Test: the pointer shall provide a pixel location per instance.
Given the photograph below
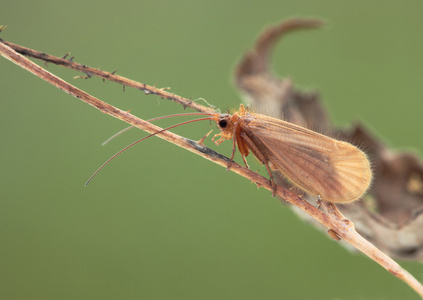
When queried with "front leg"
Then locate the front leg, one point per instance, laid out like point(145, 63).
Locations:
point(223, 137)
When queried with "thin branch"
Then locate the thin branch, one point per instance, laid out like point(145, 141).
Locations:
point(89, 71)
point(332, 219)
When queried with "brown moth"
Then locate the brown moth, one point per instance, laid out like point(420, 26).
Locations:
point(321, 166)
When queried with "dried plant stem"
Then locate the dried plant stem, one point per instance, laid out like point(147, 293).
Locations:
point(332, 219)
point(89, 71)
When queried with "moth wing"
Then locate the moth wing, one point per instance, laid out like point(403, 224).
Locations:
point(334, 170)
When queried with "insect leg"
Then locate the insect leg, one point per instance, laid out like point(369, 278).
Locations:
point(222, 138)
point(234, 146)
point(245, 162)
point(262, 159)
point(271, 179)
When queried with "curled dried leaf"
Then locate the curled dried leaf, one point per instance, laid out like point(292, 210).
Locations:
point(390, 215)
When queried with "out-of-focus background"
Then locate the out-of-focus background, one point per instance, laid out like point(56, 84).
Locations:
point(160, 222)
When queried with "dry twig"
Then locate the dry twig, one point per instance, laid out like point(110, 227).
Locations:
point(333, 220)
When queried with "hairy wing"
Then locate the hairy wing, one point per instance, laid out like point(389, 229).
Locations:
point(334, 170)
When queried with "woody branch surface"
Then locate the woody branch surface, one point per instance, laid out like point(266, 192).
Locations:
point(110, 76)
point(332, 219)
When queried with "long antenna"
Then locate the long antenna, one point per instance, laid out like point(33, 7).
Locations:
point(140, 140)
point(117, 134)
point(151, 120)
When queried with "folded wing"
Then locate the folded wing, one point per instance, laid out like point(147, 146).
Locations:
point(334, 170)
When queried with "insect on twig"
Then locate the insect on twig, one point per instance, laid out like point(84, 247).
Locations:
point(253, 133)
point(336, 171)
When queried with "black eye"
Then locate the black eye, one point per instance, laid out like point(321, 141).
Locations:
point(223, 123)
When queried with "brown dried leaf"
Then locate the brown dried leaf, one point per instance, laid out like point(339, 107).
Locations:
point(390, 215)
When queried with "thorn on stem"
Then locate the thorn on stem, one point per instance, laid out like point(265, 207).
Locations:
point(201, 141)
point(87, 76)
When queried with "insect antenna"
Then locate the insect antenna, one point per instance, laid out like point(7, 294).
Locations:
point(117, 134)
point(151, 120)
point(140, 140)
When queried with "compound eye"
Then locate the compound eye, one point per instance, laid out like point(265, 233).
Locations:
point(223, 123)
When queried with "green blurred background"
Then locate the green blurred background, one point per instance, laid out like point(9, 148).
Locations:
point(160, 222)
